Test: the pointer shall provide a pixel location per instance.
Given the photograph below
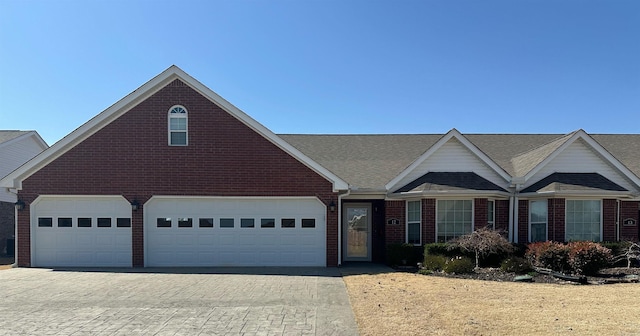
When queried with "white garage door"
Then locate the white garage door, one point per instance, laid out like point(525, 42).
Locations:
point(235, 232)
point(81, 231)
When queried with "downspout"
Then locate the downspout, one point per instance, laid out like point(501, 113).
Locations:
point(340, 197)
point(511, 216)
point(618, 221)
point(515, 218)
point(15, 233)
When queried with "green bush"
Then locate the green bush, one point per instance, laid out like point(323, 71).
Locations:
point(516, 265)
point(444, 249)
point(551, 255)
point(587, 257)
point(459, 265)
point(434, 262)
point(402, 254)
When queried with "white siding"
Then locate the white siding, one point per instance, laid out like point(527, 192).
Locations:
point(580, 158)
point(13, 155)
point(453, 156)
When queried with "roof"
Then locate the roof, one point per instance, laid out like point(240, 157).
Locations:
point(371, 161)
point(449, 181)
point(559, 182)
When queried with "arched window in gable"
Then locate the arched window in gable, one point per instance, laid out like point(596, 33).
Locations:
point(178, 126)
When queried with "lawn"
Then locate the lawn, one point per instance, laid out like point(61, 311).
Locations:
point(412, 304)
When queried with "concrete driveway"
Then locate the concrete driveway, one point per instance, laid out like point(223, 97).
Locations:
point(233, 301)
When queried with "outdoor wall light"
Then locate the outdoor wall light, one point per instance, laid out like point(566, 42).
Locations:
point(135, 205)
point(332, 206)
point(20, 204)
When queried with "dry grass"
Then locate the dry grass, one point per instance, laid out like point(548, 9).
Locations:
point(412, 304)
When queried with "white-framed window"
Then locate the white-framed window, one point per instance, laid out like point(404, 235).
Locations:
point(491, 214)
point(178, 126)
point(414, 222)
point(583, 220)
point(538, 211)
point(454, 218)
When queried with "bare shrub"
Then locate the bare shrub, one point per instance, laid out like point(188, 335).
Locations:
point(482, 242)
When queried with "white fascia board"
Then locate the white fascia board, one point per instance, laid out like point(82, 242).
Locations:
point(581, 134)
point(14, 180)
point(452, 133)
point(338, 183)
point(444, 194)
point(580, 193)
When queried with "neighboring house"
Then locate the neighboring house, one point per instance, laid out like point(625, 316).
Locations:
point(174, 175)
point(16, 148)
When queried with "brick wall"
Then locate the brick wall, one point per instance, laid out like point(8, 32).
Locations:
point(395, 233)
point(480, 213)
point(130, 157)
point(7, 224)
point(523, 221)
point(609, 219)
point(428, 220)
point(629, 210)
point(502, 215)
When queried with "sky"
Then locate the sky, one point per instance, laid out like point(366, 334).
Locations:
point(333, 66)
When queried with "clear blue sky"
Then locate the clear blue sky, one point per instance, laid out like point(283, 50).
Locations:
point(358, 66)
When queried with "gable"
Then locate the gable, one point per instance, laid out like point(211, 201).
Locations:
point(580, 157)
point(451, 156)
point(140, 96)
point(17, 147)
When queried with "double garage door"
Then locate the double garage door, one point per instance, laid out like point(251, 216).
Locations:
point(186, 231)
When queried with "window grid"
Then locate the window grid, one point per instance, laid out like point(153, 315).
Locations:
point(454, 218)
point(178, 126)
point(583, 220)
point(414, 222)
point(491, 214)
point(538, 212)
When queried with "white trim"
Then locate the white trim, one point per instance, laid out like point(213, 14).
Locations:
point(406, 225)
point(546, 221)
point(14, 179)
point(493, 211)
point(453, 133)
point(437, 194)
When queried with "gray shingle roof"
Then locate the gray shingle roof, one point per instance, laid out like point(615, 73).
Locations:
point(6, 135)
point(573, 182)
point(448, 181)
point(371, 161)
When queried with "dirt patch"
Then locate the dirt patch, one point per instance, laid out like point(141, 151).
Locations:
point(6, 262)
point(403, 303)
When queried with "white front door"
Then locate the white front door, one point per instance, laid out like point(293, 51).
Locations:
point(235, 231)
point(81, 231)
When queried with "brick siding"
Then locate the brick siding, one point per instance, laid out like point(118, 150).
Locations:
point(131, 157)
point(7, 224)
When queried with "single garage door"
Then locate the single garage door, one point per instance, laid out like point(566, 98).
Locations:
point(81, 231)
point(196, 231)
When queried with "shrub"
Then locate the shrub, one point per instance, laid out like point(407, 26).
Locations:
point(401, 254)
point(459, 265)
point(551, 255)
point(443, 249)
point(482, 243)
point(516, 265)
point(434, 262)
point(587, 257)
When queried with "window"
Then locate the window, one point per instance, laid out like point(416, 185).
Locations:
point(185, 222)
point(454, 218)
point(206, 222)
point(247, 222)
point(491, 214)
point(308, 223)
point(65, 222)
point(288, 222)
point(267, 223)
point(178, 126)
point(84, 222)
point(163, 222)
point(104, 222)
point(45, 222)
point(583, 220)
point(414, 215)
point(226, 222)
point(538, 220)
point(123, 222)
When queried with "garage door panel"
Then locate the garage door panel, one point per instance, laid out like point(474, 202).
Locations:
point(81, 246)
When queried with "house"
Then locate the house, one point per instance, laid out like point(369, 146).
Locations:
point(174, 175)
point(16, 148)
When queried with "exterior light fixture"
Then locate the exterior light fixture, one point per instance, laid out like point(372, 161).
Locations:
point(332, 206)
point(135, 205)
point(20, 204)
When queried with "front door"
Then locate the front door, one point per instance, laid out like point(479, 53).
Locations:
point(356, 223)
